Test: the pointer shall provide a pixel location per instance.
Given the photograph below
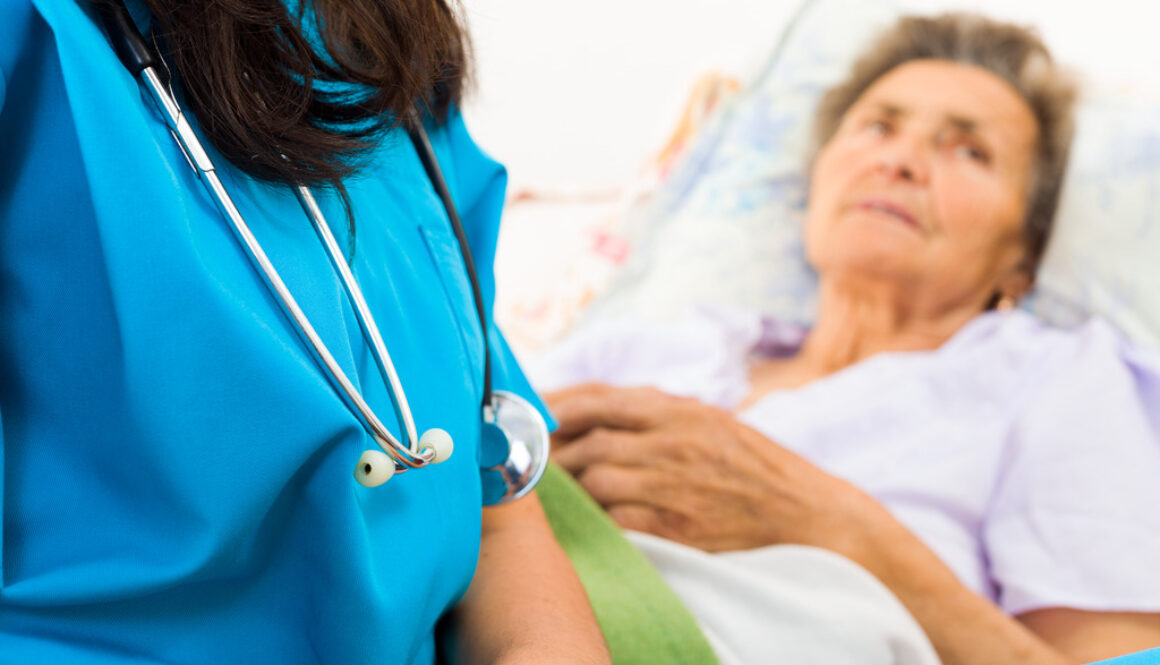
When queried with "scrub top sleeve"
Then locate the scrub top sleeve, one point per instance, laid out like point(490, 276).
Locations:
point(1073, 520)
point(478, 186)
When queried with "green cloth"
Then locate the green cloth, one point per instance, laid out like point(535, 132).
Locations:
point(643, 620)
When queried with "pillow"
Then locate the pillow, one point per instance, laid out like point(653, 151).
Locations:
point(725, 225)
point(1104, 256)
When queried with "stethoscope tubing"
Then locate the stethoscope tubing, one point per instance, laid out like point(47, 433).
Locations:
point(526, 455)
point(367, 322)
point(405, 456)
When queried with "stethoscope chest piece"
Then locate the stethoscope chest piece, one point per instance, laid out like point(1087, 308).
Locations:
point(513, 448)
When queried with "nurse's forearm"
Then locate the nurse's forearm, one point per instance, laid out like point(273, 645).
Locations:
point(525, 604)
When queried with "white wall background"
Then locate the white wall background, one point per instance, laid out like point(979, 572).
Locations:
point(578, 94)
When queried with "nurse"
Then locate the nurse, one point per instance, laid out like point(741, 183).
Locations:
point(176, 470)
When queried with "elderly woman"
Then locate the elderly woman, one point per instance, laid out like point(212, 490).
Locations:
point(999, 477)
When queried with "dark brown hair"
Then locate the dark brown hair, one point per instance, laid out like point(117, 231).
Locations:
point(1012, 53)
point(299, 96)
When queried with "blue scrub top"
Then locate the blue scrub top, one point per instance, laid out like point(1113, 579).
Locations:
point(177, 472)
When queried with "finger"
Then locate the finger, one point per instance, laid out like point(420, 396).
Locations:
point(567, 430)
point(637, 517)
point(602, 446)
point(656, 521)
point(555, 397)
point(587, 407)
point(688, 525)
point(610, 485)
point(563, 394)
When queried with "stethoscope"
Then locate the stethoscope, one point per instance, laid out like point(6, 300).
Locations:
point(514, 441)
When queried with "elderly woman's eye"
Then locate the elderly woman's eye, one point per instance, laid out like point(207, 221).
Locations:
point(970, 152)
point(878, 127)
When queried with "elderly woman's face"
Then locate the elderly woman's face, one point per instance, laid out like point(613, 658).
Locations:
point(925, 183)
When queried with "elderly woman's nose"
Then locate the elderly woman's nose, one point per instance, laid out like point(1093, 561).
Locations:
point(903, 158)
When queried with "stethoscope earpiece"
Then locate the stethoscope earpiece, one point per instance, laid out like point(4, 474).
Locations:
point(374, 468)
point(437, 441)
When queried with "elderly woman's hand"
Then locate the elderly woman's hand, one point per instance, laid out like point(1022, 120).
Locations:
point(677, 468)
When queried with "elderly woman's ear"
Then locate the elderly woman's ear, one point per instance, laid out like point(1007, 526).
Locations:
point(1013, 286)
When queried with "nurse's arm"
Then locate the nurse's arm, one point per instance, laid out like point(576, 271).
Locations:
point(525, 604)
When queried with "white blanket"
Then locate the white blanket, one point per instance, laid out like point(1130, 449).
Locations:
point(789, 604)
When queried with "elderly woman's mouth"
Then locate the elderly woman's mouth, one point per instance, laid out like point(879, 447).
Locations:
point(888, 209)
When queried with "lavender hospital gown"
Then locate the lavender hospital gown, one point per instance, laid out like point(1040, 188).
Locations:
point(1026, 457)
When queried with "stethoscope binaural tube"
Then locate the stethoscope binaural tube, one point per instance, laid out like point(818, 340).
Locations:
point(514, 436)
point(510, 466)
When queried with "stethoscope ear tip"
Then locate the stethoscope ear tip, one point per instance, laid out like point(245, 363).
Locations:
point(439, 442)
point(374, 468)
